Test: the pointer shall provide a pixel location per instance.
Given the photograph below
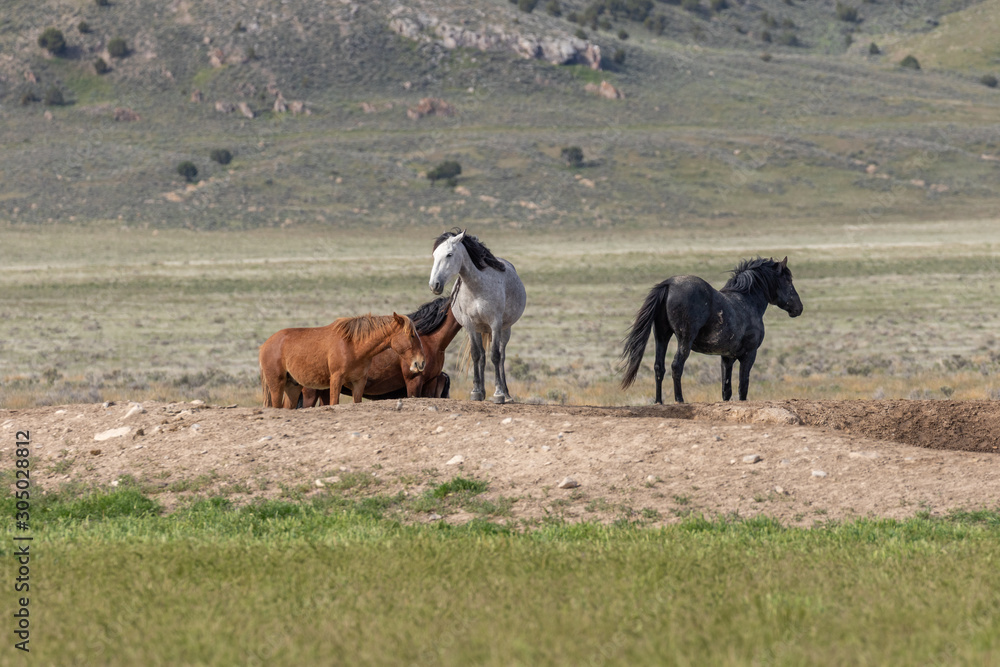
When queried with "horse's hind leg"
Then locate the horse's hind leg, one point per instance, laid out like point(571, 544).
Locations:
point(677, 367)
point(661, 334)
point(478, 366)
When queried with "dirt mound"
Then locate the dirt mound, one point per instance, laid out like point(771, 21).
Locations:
point(798, 461)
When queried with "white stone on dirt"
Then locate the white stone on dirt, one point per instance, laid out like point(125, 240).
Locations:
point(818, 473)
point(266, 438)
point(135, 410)
point(779, 490)
point(455, 460)
point(455, 415)
point(112, 433)
point(752, 458)
point(511, 440)
point(439, 429)
point(568, 483)
point(545, 448)
point(434, 517)
point(651, 479)
point(864, 455)
point(197, 401)
point(399, 405)
point(506, 420)
point(320, 483)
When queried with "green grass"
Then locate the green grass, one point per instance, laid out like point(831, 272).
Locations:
point(294, 583)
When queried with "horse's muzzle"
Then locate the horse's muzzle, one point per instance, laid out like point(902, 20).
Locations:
point(417, 366)
point(437, 288)
point(796, 312)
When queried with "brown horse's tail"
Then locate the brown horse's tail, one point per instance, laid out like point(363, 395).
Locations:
point(264, 388)
point(465, 354)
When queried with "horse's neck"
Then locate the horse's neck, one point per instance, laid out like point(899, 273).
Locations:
point(376, 345)
point(445, 333)
point(756, 301)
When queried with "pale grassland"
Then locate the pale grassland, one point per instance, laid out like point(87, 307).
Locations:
point(895, 309)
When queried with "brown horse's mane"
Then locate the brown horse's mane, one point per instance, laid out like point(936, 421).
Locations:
point(364, 328)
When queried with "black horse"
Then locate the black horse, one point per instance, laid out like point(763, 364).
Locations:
point(729, 322)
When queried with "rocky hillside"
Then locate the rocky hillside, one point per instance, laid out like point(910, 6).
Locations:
point(331, 109)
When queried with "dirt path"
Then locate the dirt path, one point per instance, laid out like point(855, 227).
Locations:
point(817, 460)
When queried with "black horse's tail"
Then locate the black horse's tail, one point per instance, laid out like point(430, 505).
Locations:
point(635, 341)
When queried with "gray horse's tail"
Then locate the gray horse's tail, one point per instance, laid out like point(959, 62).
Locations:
point(465, 354)
point(638, 335)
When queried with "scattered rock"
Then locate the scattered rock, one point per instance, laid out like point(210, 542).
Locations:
point(752, 458)
point(112, 433)
point(246, 110)
point(651, 479)
point(506, 420)
point(780, 491)
point(568, 483)
point(457, 459)
point(225, 107)
point(818, 473)
point(107, 404)
point(434, 517)
point(197, 97)
point(399, 405)
point(430, 106)
point(545, 448)
point(773, 415)
point(123, 115)
point(605, 90)
point(439, 429)
point(298, 107)
point(95, 452)
point(871, 169)
point(280, 106)
point(864, 455)
point(135, 410)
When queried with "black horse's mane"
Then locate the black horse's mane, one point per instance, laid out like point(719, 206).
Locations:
point(753, 274)
point(429, 317)
point(478, 252)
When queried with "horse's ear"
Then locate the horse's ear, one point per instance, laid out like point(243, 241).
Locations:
point(784, 262)
point(458, 237)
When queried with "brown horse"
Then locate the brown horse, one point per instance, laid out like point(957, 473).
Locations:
point(333, 356)
point(391, 377)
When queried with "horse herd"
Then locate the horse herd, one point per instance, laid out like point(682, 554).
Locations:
point(395, 356)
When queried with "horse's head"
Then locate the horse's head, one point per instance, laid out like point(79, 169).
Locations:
point(786, 297)
point(406, 343)
point(449, 256)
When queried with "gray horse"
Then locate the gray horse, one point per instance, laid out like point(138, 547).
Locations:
point(487, 300)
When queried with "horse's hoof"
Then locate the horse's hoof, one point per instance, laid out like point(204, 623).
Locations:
point(499, 399)
point(478, 396)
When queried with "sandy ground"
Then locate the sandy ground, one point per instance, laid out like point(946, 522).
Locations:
point(797, 461)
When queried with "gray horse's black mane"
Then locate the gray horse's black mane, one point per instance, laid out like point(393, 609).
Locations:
point(756, 274)
point(429, 317)
point(478, 252)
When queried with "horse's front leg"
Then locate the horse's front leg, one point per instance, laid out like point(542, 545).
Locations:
point(746, 363)
point(336, 384)
point(478, 365)
point(504, 339)
point(496, 356)
point(677, 367)
point(727, 377)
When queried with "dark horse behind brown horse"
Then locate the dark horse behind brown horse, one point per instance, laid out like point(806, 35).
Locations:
point(391, 377)
point(331, 357)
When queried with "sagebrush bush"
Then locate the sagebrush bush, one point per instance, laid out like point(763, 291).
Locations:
point(910, 62)
point(553, 8)
point(83, 27)
point(52, 40)
point(618, 57)
point(847, 13)
point(101, 67)
point(54, 97)
point(656, 24)
point(446, 171)
point(117, 48)
point(527, 6)
point(221, 155)
point(103, 3)
point(988, 80)
point(573, 156)
point(188, 170)
point(873, 49)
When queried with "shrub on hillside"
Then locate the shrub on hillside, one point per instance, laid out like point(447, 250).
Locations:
point(788, 38)
point(873, 49)
point(54, 97)
point(847, 13)
point(691, 5)
point(527, 6)
point(910, 62)
point(580, 33)
point(103, 3)
point(52, 40)
point(28, 98)
point(553, 8)
point(618, 57)
point(101, 67)
point(573, 156)
point(117, 48)
point(622, 34)
point(83, 27)
point(718, 5)
point(988, 80)
point(221, 155)
point(656, 24)
point(446, 171)
point(188, 170)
